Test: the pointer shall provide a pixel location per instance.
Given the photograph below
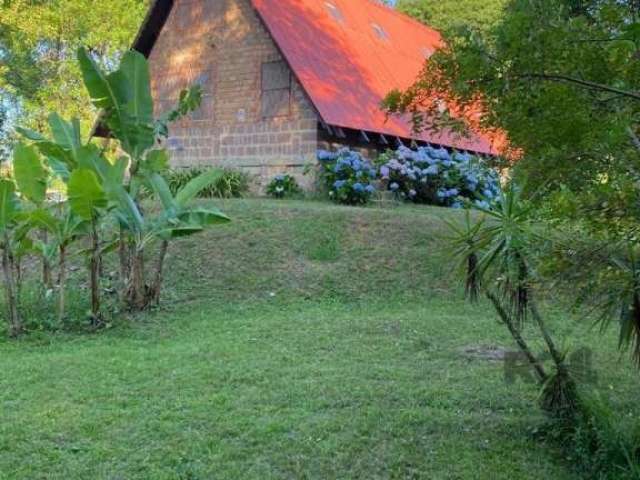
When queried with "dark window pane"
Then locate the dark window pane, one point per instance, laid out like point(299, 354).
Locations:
point(275, 103)
point(275, 75)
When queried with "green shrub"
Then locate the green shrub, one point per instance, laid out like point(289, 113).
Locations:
point(597, 443)
point(232, 183)
point(283, 186)
point(348, 176)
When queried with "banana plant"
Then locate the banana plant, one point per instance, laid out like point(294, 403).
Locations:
point(64, 228)
point(9, 217)
point(126, 105)
point(88, 200)
point(176, 219)
point(32, 178)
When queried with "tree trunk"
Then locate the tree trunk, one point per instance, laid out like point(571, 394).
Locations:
point(555, 353)
point(138, 290)
point(94, 268)
point(47, 278)
point(125, 264)
point(18, 278)
point(62, 282)
point(156, 287)
point(504, 316)
point(15, 324)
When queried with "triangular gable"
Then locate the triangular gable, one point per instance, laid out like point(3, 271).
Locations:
point(347, 55)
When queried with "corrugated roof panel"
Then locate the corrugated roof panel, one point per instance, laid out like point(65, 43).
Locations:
point(349, 54)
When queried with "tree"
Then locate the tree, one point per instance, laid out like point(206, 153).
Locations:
point(124, 98)
point(498, 252)
point(38, 42)
point(447, 15)
point(567, 92)
point(99, 191)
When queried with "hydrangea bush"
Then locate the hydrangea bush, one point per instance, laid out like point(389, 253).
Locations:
point(348, 176)
point(439, 177)
point(282, 186)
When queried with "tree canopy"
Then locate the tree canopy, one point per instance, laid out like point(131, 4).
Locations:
point(567, 92)
point(446, 15)
point(38, 41)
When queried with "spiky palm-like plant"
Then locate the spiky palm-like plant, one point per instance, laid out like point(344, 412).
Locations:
point(497, 253)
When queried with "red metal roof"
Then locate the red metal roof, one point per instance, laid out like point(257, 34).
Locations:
point(349, 54)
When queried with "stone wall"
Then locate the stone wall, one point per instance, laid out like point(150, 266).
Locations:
point(223, 46)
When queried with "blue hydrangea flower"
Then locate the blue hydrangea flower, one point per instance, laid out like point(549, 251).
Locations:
point(325, 156)
point(412, 193)
point(370, 189)
point(358, 187)
point(339, 184)
point(385, 171)
point(394, 187)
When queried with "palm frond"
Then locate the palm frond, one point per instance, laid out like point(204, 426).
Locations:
point(467, 243)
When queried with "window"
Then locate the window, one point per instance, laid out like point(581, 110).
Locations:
point(276, 89)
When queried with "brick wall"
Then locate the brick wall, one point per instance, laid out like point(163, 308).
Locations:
point(222, 45)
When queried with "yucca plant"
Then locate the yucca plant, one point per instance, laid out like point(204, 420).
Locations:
point(497, 253)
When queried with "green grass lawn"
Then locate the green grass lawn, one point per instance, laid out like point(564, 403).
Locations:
point(302, 341)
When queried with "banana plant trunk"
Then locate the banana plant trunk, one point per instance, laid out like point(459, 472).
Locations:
point(138, 290)
point(156, 287)
point(62, 282)
point(47, 277)
point(94, 267)
point(124, 255)
point(15, 324)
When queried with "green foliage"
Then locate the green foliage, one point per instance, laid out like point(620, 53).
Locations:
point(9, 206)
point(86, 195)
point(283, 186)
point(99, 193)
point(380, 324)
point(447, 15)
point(227, 183)
point(566, 92)
point(347, 176)
point(29, 173)
point(38, 41)
point(599, 444)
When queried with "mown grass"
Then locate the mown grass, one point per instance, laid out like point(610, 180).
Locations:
point(302, 341)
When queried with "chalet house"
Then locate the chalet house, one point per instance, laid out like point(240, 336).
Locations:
point(283, 78)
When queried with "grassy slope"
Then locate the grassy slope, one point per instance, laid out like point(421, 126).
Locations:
point(302, 341)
